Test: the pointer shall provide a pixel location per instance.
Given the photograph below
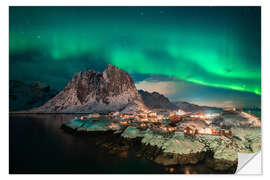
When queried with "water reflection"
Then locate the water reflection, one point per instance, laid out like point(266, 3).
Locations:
point(123, 154)
point(187, 171)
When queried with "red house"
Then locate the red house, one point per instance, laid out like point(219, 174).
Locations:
point(221, 132)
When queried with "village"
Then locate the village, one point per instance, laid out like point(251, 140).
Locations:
point(172, 137)
point(166, 122)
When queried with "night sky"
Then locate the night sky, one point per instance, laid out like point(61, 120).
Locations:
point(204, 55)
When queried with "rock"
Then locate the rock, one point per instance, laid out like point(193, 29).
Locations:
point(247, 140)
point(150, 152)
point(222, 164)
point(226, 153)
point(256, 146)
point(168, 159)
point(94, 92)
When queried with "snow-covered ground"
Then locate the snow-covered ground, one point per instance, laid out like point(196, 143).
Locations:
point(237, 119)
point(99, 124)
point(226, 148)
point(77, 123)
point(250, 138)
point(132, 132)
point(173, 144)
point(244, 139)
point(255, 121)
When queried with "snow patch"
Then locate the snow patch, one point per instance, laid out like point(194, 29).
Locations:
point(132, 132)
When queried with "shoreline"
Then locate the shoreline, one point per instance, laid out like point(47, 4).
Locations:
point(114, 143)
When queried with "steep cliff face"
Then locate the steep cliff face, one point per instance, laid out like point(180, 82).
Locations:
point(91, 91)
point(155, 100)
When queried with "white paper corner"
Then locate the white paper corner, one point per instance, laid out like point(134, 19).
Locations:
point(249, 164)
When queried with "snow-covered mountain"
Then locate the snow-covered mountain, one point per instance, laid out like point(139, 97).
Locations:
point(91, 91)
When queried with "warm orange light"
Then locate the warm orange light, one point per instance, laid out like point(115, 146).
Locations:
point(123, 154)
point(171, 170)
point(187, 171)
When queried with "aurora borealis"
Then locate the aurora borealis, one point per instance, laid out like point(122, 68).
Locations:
point(207, 55)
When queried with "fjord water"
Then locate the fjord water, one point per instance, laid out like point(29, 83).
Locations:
point(39, 145)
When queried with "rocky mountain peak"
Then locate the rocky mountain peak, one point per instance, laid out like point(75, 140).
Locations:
point(112, 67)
point(118, 79)
point(91, 91)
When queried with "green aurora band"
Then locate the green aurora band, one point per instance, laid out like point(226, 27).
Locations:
point(217, 47)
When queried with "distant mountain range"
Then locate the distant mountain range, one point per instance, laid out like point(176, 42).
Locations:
point(24, 96)
point(155, 100)
point(92, 92)
point(189, 107)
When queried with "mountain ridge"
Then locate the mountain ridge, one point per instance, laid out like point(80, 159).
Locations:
point(102, 92)
point(23, 96)
point(156, 100)
point(190, 107)
point(93, 92)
